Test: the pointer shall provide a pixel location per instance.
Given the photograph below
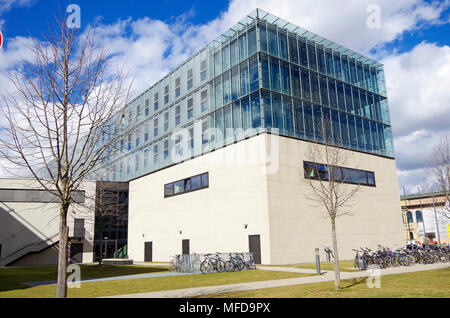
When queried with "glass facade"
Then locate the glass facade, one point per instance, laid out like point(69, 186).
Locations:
point(262, 74)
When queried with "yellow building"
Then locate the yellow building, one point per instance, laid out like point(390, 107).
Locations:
point(422, 213)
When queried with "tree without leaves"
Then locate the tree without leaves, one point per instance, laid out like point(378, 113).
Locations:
point(439, 166)
point(328, 185)
point(62, 117)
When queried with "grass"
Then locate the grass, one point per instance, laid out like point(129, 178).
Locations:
point(345, 266)
point(433, 284)
point(109, 288)
point(12, 278)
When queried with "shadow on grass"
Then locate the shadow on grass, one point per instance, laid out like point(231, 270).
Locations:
point(355, 282)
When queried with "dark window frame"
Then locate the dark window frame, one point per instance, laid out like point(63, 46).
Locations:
point(341, 169)
point(171, 185)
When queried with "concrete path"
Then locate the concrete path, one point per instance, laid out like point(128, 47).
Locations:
point(136, 276)
point(327, 276)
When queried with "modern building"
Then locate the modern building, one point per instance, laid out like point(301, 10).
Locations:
point(29, 222)
point(424, 219)
point(216, 150)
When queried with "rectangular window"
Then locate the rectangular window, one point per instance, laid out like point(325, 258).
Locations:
point(190, 108)
point(204, 100)
point(323, 172)
point(166, 95)
point(187, 185)
point(155, 127)
point(166, 121)
point(177, 115)
point(166, 149)
point(155, 154)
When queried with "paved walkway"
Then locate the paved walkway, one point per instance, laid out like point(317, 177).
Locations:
point(327, 276)
point(136, 276)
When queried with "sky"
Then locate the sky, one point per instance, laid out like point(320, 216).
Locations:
point(411, 38)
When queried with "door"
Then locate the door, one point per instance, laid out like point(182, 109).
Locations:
point(254, 246)
point(76, 252)
point(185, 247)
point(148, 252)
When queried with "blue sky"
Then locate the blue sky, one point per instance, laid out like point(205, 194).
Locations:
point(156, 36)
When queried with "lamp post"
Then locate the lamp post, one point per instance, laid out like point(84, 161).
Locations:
point(423, 218)
point(436, 220)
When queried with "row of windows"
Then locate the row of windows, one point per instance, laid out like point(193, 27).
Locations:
point(38, 196)
point(419, 217)
point(288, 46)
point(322, 172)
point(293, 80)
point(194, 183)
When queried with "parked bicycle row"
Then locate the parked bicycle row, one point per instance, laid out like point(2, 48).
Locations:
point(385, 257)
point(210, 263)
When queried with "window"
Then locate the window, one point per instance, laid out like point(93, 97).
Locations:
point(177, 115)
point(145, 158)
point(43, 196)
point(155, 154)
point(166, 149)
point(156, 104)
point(318, 171)
point(204, 100)
point(419, 217)
point(187, 185)
point(166, 121)
point(190, 108)
point(190, 80)
point(203, 70)
point(166, 94)
point(409, 217)
point(155, 127)
point(177, 87)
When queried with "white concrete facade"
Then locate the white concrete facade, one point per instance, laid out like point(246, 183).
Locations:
point(29, 231)
point(259, 192)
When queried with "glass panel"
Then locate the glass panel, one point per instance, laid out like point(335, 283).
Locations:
point(245, 85)
point(297, 90)
point(285, 78)
point(336, 129)
point(263, 38)
point(360, 134)
point(219, 93)
point(298, 112)
point(318, 129)
point(303, 54)
point(252, 41)
point(337, 67)
point(332, 93)
point(242, 47)
point(256, 111)
point(287, 112)
point(293, 50)
point(218, 63)
point(309, 126)
point(306, 90)
point(265, 71)
point(267, 109)
point(179, 187)
point(254, 80)
point(246, 115)
point(226, 88)
point(205, 180)
point(312, 56)
point(344, 130)
point(275, 73)
point(352, 132)
point(315, 88)
point(226, 58)
point(234, 52)
point(228, 123)
point(273, 46)
point(277, 111)
point(282, 44)
point(348, 99)
point(237, 120)
point(321, 60)
point(235, 83)
point(368, 137)
point(196, 183)
point(324, 91)
point(219, 128)
point(356, 101)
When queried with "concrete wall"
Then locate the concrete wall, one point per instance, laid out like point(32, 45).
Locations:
point(298, 225)
point(212, 219)
point(31, 227)
point(262, 188)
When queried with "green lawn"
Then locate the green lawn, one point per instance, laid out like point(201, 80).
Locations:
point(434, 284)
point(109, 288)
point(11, 278)
point(345, 266)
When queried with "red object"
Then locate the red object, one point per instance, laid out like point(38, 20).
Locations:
point(1, 38)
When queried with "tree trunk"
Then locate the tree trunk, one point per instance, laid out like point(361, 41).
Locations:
point(337, 272)
point(61, 287)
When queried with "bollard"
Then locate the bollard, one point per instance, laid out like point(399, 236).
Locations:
point(317, 261)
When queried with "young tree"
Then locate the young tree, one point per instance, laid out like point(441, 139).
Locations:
point(63, 117)
point(439, 166)
point(328, 183)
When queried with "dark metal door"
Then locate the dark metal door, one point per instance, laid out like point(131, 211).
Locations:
point(185, 247)
point(254, 243)
point(76, 252)
point(148, 252)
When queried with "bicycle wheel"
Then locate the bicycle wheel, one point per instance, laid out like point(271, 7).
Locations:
point(220, 266)
point(205, 267)
point(229, 266)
